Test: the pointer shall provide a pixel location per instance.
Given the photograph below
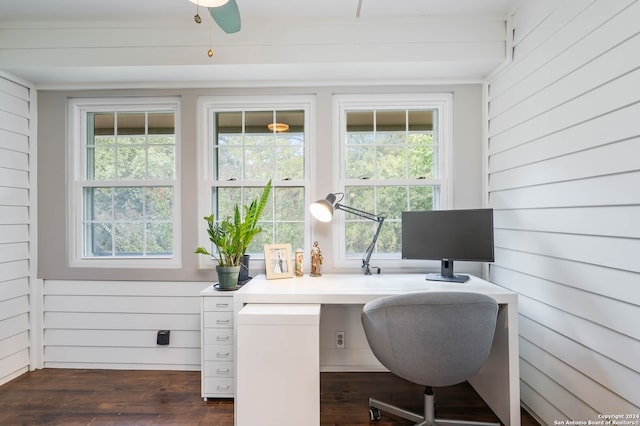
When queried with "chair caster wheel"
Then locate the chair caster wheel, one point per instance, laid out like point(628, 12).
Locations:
point(374, 414)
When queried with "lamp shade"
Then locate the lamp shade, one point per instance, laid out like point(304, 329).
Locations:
point(323, 209)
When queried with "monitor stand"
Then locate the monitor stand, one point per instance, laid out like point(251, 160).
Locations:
point(446, 273)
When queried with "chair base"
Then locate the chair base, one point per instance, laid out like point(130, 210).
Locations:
point(428, 419)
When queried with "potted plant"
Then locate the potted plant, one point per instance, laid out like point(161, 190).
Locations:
point(232, 235)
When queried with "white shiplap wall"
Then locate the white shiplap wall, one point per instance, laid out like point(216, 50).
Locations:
point(564, 180)
point(17, 216)
point(114, 324)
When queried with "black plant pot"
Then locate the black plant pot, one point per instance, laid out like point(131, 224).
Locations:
point(243, 276)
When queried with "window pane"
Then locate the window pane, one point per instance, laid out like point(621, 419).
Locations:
point(359, 122)
point(361, 198)
point(104, 123)
point(229, 127)
point(290, 164)
point(161, 123)
point(128, 203)
point(131, 162)
point(421, 156)
point(99, 204)
point(259, 163)
point(255, 249)
point(100, 243)
point(391, 162)
point(101, 164)
point(129, 239)
point(251, 193)
point(131, 123)
point(290, 232)
point(161, 162)
point(391, 122)
point(421, 120)
point(229, 163)
point(159, 203)
point(159, 237)
point(226, 198)
point(257, 122)
point(289, 203)
point(422, 197)
point(359, 162)
point(358, 236)
point(391, 201)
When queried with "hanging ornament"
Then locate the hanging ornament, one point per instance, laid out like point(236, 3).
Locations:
point(210, 52)
point(197, 17)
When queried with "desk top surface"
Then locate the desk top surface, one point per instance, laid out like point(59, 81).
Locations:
point(354, 288)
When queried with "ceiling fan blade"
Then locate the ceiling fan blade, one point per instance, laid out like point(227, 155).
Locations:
point(227, 16)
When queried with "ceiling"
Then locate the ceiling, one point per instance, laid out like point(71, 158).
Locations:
point(147, 43)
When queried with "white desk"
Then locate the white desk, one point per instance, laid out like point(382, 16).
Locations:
point(498, 383)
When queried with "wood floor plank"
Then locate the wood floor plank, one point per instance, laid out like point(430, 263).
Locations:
point(120, 397)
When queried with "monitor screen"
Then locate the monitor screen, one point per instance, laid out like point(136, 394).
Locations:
point(448, 235)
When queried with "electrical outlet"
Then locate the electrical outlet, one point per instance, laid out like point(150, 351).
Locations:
point(340, 339)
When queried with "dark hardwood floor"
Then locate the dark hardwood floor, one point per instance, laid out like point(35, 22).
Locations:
point(114, 397)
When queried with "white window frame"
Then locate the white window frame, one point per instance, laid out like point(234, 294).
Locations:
point(443, 102)
point(207, 107)
point(76, 170)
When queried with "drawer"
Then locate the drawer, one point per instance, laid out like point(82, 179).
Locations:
point(218, 336)
point(218, 353)
point(218, 303)
point(218, 369)
point(218, 319)
point(218, 386)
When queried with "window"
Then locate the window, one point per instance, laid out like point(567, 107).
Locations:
point(124, 182)
point(248, 142)
point(393, 158)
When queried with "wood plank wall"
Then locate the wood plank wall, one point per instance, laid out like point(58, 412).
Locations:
point(114, 324)
point(564, 180)
point(17, 190)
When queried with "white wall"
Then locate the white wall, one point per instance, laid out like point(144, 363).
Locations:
point(17, 224)
point(564, 180)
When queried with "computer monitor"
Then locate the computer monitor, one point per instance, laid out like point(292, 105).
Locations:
point(448, 235)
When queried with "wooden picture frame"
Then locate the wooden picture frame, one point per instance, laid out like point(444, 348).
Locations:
point(277, 261)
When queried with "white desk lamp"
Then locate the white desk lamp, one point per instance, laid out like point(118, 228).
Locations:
point(323, 211)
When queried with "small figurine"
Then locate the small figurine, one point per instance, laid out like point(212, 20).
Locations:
point(299, 262)
point(316, 260)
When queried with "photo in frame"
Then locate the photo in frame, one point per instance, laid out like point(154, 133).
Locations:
point(277, 261)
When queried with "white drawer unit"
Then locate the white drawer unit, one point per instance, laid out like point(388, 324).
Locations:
point(218, 349)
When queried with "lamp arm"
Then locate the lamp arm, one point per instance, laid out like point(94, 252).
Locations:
point(370, 216)
point(369, 252)
point(357, 212)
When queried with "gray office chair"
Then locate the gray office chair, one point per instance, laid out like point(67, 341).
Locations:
point(432, 339)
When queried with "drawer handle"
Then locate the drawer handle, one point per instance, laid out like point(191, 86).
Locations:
point(222, 338)
point(223, 354)
point(222, 305)
point(223, 370)
point(223, 321)
point(223, 387)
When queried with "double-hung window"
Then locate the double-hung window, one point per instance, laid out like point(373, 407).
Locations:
point(246, 141)
point(124, 182)
point(394, 157)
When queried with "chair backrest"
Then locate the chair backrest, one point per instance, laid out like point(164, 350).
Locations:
point(431, 338)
